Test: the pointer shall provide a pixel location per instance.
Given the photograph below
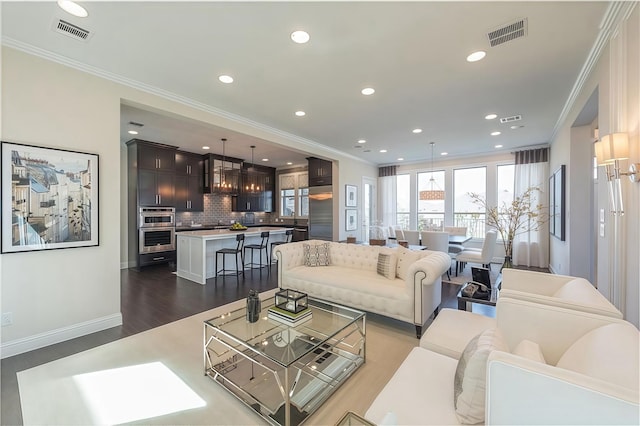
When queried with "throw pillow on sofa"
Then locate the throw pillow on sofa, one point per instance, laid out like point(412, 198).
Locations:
point(387, 263)
point(470, 379)
point(405, 258)
point(316, 254)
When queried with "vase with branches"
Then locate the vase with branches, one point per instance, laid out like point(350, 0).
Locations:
point(512, 219)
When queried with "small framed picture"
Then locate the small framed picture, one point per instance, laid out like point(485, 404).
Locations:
point(351, 196)
point(351, 219)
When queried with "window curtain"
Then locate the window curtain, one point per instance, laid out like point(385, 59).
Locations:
point(387, 194)
point(532, 170)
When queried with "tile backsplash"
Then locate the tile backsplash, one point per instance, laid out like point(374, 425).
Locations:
point(217, 210)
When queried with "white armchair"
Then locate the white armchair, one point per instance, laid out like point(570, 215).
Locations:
point(483, 256)
point(556, 290)
point(586, 370)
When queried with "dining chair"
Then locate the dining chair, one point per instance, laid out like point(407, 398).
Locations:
point(454, 249)
point(482, 257)
point(412, 237)
point(436, 241)
point(399, 234)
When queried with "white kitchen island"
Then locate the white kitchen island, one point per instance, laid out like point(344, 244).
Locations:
point(196, 250)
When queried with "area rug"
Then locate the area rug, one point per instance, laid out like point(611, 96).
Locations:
point(157, 377)
point(465, 275)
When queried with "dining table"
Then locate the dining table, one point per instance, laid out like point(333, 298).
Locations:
point(458, 239)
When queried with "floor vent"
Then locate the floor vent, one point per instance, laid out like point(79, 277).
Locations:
point(508, 32)
point(63, 27)
point(510, 119)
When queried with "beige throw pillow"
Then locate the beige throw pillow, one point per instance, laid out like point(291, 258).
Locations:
point(387, 264)
point(316, 254)
point(470, 379)
point(405, 258)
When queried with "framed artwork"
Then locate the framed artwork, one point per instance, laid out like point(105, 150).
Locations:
point(351, 219)
point(49, 198)
point(557, 203)
point(351, 196)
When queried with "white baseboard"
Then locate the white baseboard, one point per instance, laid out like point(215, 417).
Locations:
point(26, 344)
point(127, 265)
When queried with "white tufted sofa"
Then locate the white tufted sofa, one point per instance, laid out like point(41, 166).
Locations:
point(352, 280)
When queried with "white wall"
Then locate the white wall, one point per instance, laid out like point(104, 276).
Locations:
point(616, 77)
point(60, 294)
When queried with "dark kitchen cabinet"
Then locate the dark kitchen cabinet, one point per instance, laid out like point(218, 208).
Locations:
point(156, 189)
point(189, 196)
point(320, 172)
point(189, 182)
point(188, 164)
point(152, 156)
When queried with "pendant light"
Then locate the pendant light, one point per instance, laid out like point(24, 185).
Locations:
point(226, 185)
point(252, 184)
point(434, 192)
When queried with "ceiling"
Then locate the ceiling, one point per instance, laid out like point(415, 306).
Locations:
point(412, 53)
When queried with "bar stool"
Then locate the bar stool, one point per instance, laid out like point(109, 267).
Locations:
point(289, 235)
point(263, 245)
point(235, 252)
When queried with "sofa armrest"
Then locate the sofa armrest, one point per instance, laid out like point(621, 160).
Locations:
point(553, 328)
point(532, 282)
point(424, 282)
point(594, 306)
point(521, 391)
point(289, 256)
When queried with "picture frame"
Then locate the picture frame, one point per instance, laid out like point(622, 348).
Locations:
point(351, 196)
point(557, 183)
point(49, 198)
point(351, 219)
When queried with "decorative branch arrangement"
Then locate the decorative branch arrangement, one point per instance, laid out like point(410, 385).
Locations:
point(518, 217)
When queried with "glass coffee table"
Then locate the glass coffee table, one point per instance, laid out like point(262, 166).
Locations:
point(284, 373)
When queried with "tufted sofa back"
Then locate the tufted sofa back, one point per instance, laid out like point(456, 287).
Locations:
point(354, 256)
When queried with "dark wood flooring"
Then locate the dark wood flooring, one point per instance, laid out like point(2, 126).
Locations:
point(151, 298)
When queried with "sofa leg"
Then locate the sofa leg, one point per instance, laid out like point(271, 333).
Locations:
point(418, 331)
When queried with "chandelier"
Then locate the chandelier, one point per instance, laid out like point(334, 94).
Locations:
point(252, 184)
point(434, 192)
point(226, 183)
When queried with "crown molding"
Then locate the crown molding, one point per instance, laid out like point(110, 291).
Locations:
point(72, 63)
point(616, 12)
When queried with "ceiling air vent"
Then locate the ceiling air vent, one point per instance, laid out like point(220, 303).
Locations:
point(63, 27)
point(508, 32)
point(133, 123)
point(510, 119)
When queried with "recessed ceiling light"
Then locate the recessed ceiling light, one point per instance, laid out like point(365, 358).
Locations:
point(383, 150)
point(362, 141)
point(300, 36)
point(368, 91)
point(498, 146)
point(417, 130)
point(73, 8)
point(476, 56)
point(400, 159)
point(226, 79)
point(495, 133)
point(132, 132)
point(205, 147)
point(289, 163)
point(490, 116)
point(444, 153)
point(300, 113)
point(516, 127)
point(265, 159)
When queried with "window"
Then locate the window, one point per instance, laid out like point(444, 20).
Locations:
point(430, 212)
point(294, 195)
point(506, 182)
point(403, 200)
point(465, 212)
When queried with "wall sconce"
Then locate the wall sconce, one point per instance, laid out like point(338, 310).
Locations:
point(610, 150)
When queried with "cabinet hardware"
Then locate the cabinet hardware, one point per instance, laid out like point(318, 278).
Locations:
point(158, 258)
